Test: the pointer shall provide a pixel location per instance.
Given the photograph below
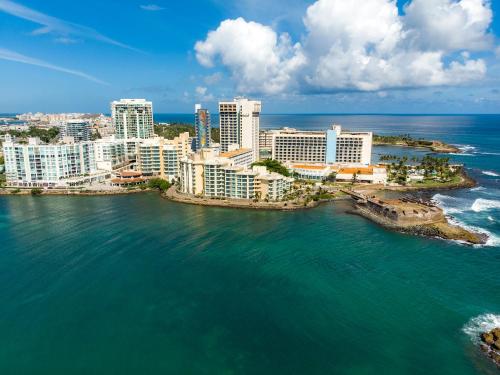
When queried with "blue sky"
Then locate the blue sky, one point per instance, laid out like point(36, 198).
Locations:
point(327, 56)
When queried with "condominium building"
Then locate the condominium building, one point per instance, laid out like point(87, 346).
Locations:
point(160, 157)
point(80, 130)
point(330, 146)
point(133, 118)
point(239, 122)
point(47, 165)
point(204, 173)
point(202, 127)
point(110, 153)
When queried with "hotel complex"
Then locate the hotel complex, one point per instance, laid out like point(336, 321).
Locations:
point(196, 165)
point(330, 146)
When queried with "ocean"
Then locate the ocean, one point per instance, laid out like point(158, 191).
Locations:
point(138, 284)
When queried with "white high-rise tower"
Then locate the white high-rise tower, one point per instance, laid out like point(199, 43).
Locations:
point(239, 122)
point(132, 118)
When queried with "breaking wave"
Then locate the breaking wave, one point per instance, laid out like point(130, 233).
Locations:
point(480, 324)
point(481, 204)
point(490, 173)
point(454, 205)
point(466, 148)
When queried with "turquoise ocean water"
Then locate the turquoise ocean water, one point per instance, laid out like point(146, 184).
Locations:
point(137, 284)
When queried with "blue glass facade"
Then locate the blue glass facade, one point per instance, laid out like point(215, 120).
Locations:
point(331, 146)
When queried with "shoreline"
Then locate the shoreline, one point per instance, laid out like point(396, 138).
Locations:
point(440, 229)
point(175, 196)
point(24, 192)
point(435, 146)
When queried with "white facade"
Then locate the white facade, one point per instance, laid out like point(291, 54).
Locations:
point(332, 146)
point(206, 174)
point(376, 174)
point(110, 153)
point(239, 122)
point(160, 157)
point(36, 164)
point(133, 118)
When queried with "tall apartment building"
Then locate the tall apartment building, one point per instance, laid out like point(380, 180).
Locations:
point(239, 122)
point(160, 157)
point(132, 118)
point(202, 127)
point(80, 130)
point(47, 165)
point(330, 146)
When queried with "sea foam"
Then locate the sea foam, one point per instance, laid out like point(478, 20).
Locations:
point(490, 173)
point(480, 324)
point(481, 205)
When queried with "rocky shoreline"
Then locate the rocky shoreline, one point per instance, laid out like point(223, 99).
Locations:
point(416, 219)
point(24, 192)
point(490, 345)
point(434, 146)
point(173, 195)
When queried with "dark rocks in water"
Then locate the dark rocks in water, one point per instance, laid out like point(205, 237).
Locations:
point(491, 344)
point(496, 345)
point(496, 333)
point(488, 338)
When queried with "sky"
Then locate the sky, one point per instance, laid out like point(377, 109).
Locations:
point(297, 56)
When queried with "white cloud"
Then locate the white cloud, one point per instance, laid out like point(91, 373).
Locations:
point(361, 45)
point(6, 54)
point(201, 90)
point(56, 25)
point(64, 40)
point(213, 78)
point(449, 24)
point(151, 7)
point(203, 95)
point(257, 57)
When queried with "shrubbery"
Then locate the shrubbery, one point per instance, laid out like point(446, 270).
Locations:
point(273, 166)
point(159, 184)
point(36, 191)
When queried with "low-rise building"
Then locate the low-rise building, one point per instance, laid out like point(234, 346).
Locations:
point(208, 174)
point(376, 174)
point(241, 157)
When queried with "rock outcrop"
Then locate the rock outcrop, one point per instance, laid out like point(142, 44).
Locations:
point(490, 345)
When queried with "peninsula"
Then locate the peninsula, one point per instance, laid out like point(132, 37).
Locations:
point(407, 140)
point(235, 165)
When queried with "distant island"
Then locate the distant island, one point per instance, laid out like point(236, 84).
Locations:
point(407, 140)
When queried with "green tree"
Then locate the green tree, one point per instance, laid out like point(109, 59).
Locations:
point(332, 177)
point(159, 184)
point(36, 191)
point(273, 166)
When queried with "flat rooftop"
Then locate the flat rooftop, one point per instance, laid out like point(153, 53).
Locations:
point(232, 154)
